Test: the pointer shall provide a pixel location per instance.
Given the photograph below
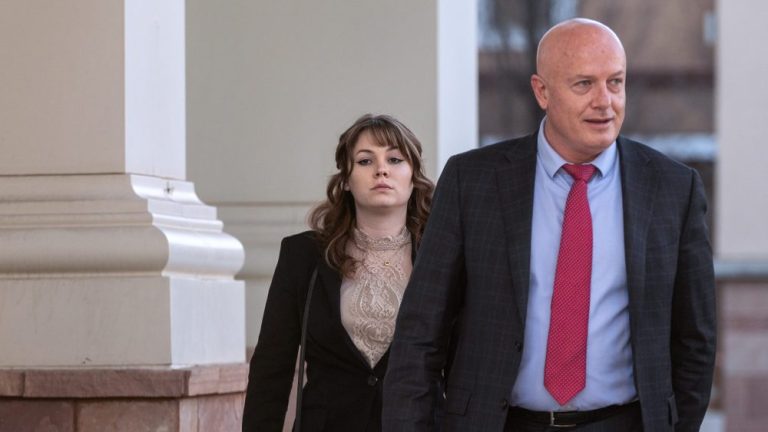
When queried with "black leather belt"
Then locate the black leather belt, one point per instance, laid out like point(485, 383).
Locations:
point(569, 418)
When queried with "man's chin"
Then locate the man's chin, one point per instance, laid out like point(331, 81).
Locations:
point(604, 140)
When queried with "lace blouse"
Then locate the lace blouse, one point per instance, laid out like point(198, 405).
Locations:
point(370, 298)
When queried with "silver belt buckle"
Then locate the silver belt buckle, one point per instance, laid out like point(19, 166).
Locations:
point(553, 424)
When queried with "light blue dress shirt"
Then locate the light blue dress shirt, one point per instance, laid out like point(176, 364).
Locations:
point(609, 354)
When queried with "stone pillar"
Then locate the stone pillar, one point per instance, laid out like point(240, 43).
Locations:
point(742, 203)
point(117, 296)
point(273, 84)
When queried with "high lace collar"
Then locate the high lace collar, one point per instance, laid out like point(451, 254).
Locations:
point(366, 242)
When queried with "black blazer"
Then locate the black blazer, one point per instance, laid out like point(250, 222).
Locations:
point(472, 272)
point(342, 392)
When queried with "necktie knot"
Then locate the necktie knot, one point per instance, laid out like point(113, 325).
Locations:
point(580, 172)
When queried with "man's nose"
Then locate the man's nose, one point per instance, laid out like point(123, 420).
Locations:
point(601, 97)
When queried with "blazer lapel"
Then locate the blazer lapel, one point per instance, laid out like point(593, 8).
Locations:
point(639, 183)
point(331, 283)
point(514, 180)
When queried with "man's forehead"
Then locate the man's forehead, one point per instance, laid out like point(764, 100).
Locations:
point(578, 38)
point(579, 27)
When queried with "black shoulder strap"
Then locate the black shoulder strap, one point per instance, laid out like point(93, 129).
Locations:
point(302, 350)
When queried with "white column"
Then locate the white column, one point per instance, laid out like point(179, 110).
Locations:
point(108, 257)
point(272, 84)
point(742, 131)
point(457, 82)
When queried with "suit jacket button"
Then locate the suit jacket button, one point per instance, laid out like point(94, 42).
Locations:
point(504, 404)
point(372, 380)
point(518, 346)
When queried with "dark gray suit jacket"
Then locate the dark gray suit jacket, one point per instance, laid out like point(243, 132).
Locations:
point(465, 306)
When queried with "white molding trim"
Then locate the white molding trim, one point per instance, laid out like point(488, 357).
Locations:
point(96, 225)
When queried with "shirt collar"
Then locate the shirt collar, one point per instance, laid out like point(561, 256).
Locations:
point(552, 161)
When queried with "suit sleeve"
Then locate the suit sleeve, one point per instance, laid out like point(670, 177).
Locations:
point(428, 310)
point(693, 315)
point(274, 359)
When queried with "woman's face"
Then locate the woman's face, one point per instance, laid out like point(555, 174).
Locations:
point(381, 180)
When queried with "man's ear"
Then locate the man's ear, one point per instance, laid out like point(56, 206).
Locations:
point(540, 91)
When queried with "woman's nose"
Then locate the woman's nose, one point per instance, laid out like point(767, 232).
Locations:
point(382, 170)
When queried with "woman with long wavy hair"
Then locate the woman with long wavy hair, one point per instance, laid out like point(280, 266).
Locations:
point(362, 243)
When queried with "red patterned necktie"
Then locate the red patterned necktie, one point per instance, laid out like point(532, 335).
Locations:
point(566, 363)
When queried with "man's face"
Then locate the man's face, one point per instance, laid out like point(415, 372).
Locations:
point(581, 87)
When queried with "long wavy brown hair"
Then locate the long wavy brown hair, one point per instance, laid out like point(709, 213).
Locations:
point(334, 219)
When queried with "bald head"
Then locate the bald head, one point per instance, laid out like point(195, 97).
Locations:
point(573, 37)
point(579, 82)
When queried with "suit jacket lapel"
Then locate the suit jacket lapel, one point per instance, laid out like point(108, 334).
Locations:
point(514, 181)
point(639, 183)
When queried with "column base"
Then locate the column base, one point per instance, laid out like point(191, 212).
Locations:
point(116, 269)
point(136, 399)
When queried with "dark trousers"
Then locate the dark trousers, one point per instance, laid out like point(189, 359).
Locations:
point(626, 420)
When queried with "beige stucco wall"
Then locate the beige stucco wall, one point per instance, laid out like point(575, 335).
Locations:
point(271, 86)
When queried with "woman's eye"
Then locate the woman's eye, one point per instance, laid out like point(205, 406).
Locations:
point(364, 162)
point(395, 160)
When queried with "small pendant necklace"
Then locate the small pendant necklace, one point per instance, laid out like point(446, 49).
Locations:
point(371, 255)
point(388, 260)
point(375, 250)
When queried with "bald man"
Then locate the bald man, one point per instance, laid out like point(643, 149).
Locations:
point(565, 280)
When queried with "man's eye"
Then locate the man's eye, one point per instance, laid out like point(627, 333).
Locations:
point(584, 83)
